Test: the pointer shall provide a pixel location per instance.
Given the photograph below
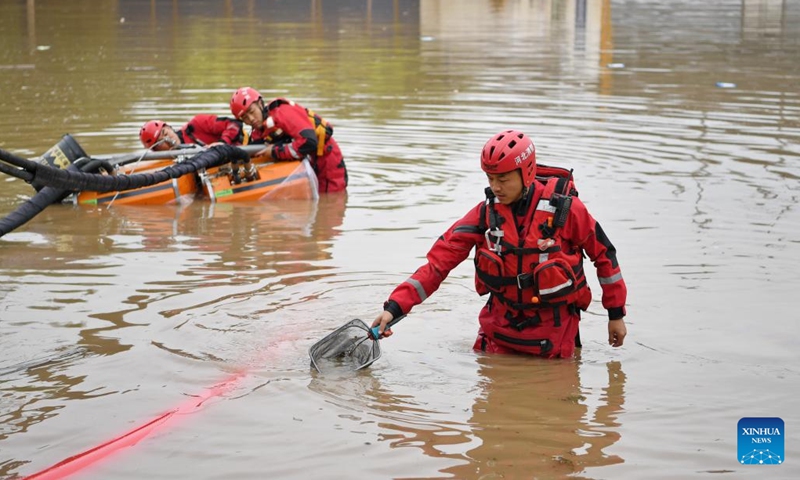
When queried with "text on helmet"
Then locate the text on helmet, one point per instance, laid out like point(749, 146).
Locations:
point(524, 155)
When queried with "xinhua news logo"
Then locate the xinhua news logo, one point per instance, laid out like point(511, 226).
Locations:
point(760, 441)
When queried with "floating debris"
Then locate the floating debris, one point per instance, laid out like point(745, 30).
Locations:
point(726, 85)
point(616, 65)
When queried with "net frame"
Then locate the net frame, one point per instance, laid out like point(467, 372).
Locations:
point(351, 344)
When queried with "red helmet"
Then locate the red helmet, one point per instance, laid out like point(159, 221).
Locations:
point(242, 99)
point(508, 151)
point(150, 132)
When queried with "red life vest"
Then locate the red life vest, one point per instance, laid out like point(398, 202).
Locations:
point(296, 132)
point(534, 277)
point(274, 134)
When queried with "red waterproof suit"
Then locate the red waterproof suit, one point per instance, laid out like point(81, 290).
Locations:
point(535, 302)
point(297, 132)
point(207, 129)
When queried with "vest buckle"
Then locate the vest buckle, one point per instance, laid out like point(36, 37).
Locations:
point(497, 233)
point(524, 280)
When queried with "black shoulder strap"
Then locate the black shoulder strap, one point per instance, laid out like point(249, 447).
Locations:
point(562, 184)
point(276, 103)
point(482, 222)
point(189, 133)
point(495, 220)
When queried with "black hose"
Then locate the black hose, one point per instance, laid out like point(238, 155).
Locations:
point(14, 172)
point(94, 165)
point(60, 183)
point(20, 162)
point(32, 207)
point(79, 181)
point(47, 196)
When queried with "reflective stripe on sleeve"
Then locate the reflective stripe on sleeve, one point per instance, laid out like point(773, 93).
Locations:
point(418, 287)
point(607, 280)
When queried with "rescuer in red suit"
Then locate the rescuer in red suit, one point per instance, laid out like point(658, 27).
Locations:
point(201, 130)
point(529, 238)
point(292, 132)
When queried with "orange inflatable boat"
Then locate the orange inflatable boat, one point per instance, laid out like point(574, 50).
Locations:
point(269, 181)
point(264, 181)
point(177, 190)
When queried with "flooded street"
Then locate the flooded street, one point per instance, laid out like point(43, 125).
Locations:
point(178, 335)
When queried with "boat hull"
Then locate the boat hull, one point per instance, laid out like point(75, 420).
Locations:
point(275, 181)
point(176, 190)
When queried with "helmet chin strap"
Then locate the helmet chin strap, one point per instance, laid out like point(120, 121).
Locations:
point(264, 110)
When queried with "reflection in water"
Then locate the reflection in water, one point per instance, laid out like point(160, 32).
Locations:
point(702, 181)
point(762, 18)
point(31, 16)
point(531, 417)
point(26, 404)
point(399, 415)
point(262, 246)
